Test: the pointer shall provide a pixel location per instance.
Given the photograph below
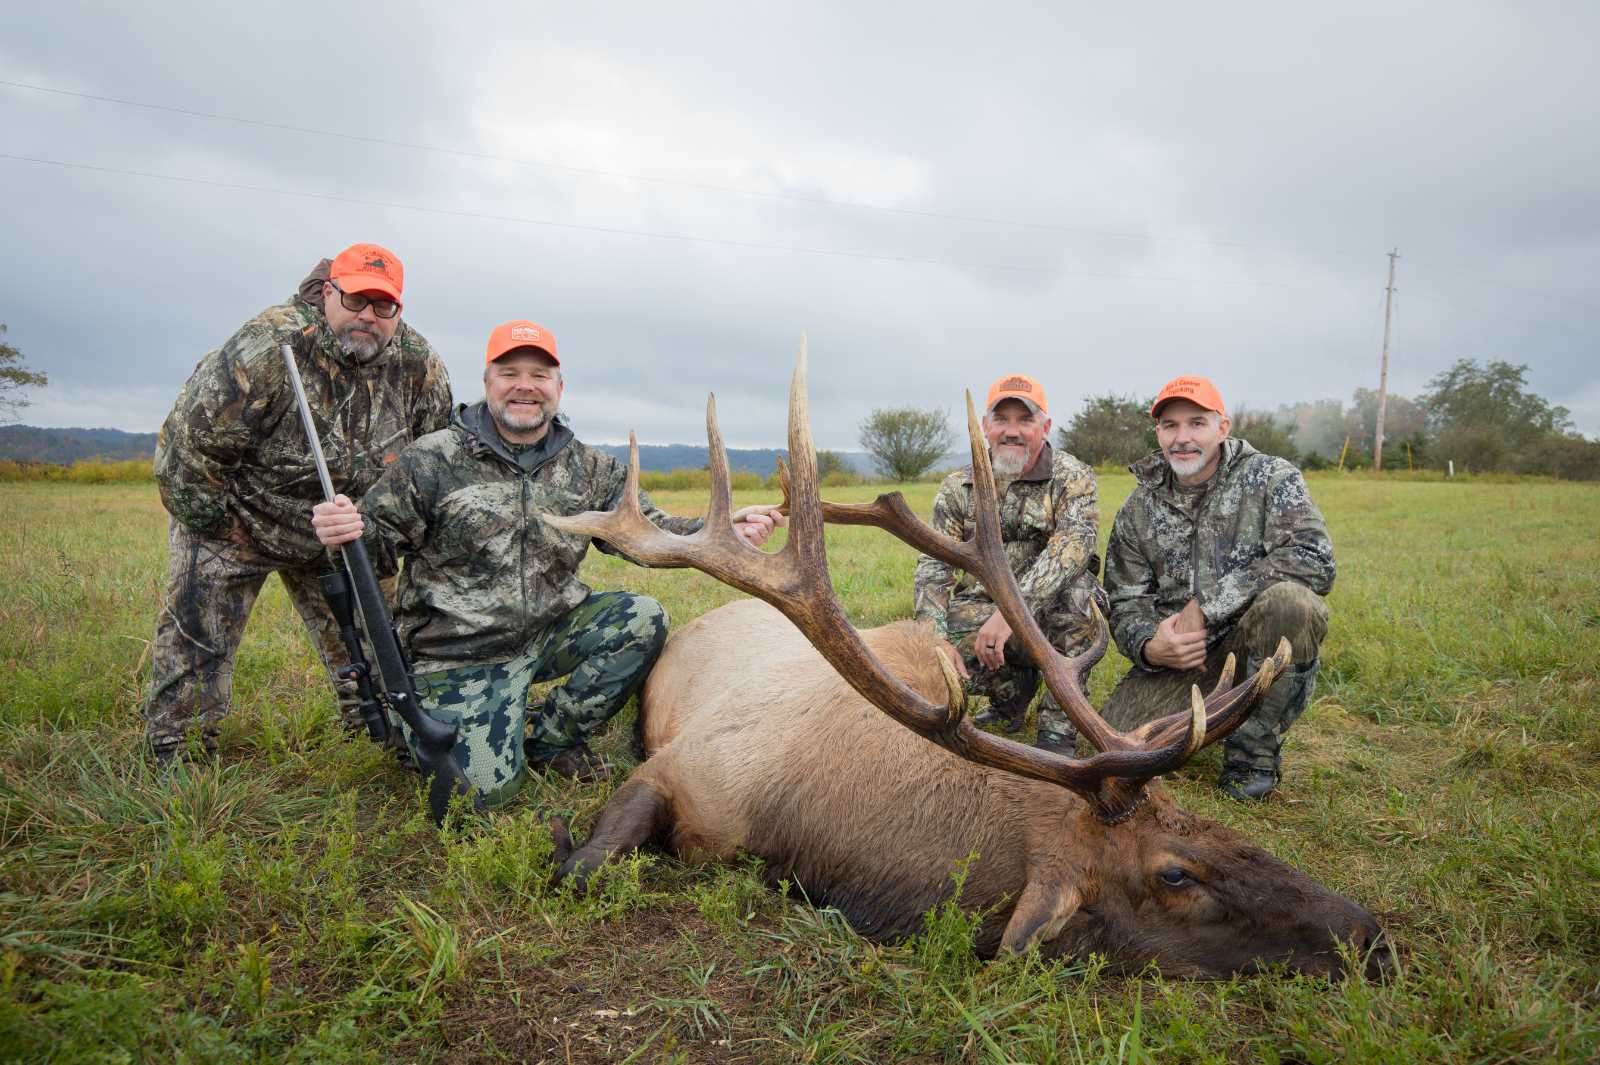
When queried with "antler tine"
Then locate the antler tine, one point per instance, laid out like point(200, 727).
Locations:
point(630, 483)
point(717, 516)
point(1225, 711)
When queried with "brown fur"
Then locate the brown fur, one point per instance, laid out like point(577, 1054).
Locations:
point(756, 744)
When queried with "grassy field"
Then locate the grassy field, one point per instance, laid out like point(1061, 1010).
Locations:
point(291, 904)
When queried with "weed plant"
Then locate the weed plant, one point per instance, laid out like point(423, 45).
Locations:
point(292, 902)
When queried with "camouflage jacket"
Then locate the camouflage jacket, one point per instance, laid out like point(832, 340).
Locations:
point(1048, 521)
point(232, 460)
point(1252, 524)
point(483, 573)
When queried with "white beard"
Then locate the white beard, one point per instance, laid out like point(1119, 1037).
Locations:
point(1007, 463)
point(1187, 465)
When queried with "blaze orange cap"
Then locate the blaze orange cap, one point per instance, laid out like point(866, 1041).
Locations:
point(1017, 386)
point(520, 334)
point(1197, 390)
point(368, 268)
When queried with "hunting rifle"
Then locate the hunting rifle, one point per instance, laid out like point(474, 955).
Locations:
point(356, 587)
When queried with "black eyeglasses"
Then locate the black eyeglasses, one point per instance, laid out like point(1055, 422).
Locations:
point(355, 303)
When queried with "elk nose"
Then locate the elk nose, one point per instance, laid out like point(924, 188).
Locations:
point(1380, 958)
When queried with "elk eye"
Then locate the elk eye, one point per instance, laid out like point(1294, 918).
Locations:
point(1174, 876)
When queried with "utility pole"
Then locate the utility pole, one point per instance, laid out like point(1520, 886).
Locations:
point(1383, 374)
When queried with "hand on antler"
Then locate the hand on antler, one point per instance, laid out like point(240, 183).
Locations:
point(991, 641)
point(755, 524)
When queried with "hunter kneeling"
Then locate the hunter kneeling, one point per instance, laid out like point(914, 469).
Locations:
point(1219, 549)
point(489, 600)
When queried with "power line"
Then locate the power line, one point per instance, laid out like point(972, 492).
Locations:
point(816, 201)
point(619, 231)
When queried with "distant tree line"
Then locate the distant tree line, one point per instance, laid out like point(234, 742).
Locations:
point(1483, 418)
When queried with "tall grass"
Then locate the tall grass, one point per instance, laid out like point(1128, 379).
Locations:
point(292, 903)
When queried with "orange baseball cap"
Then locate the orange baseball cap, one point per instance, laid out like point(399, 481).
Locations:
point(1197, 390)
point(368, 268)
point(520, 334)
point(1017, 386)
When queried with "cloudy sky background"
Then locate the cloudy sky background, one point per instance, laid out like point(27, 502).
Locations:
point(936, 196)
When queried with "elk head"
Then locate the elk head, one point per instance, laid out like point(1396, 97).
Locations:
point(1142, 881)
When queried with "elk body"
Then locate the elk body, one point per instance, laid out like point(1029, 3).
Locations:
point(844, 760)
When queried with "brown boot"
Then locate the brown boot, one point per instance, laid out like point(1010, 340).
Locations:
point(579, 763)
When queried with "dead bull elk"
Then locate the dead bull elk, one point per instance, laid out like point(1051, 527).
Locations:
point(777, 740)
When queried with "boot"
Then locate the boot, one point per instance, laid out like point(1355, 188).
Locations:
point(1247, 783)
point(1057, 742)
point(1008, 717)
point(579, 763)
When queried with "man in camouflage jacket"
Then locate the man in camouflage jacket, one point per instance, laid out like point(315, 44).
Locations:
point(490, 601)
point(238, 478)
point(1048, 521)
point(1219, 549)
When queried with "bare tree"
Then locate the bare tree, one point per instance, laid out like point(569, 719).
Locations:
point(906, 442)
point(14, 377)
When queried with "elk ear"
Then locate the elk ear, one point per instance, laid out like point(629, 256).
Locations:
point(1041, 913)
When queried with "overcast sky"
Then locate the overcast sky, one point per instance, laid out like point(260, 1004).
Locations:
point(936, 193)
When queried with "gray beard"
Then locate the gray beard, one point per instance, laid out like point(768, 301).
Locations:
point(519, 423)
point(359, 344)
point(1188, 465)
point(1006, 465)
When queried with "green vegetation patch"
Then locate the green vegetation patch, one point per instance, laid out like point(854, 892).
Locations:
point(292, 903)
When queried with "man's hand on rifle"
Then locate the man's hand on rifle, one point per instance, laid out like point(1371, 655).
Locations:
point(336, 523)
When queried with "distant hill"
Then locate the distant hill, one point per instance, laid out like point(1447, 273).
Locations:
point(27, 443)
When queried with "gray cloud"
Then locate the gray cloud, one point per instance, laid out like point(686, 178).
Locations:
point(1197, 190)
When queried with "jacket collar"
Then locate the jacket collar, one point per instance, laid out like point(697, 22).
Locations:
point(475, 422)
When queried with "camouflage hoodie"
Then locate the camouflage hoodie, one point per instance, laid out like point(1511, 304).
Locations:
point(484, 574)
point(232, 460)
point(1048, 521)
point(1250, 525)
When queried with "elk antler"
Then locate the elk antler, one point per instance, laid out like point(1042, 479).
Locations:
point(795, 580)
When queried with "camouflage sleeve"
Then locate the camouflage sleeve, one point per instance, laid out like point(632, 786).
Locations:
point(1067, 552)
point(935, 580)
point(1131, 587)
point(1297, 549)
point(395, 511)
point(214, 425)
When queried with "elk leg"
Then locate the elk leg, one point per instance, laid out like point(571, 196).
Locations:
point(636, 813)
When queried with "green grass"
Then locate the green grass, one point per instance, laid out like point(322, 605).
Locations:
point(293, 904)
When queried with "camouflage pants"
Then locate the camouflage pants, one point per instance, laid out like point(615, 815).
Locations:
point(1013, 685)
point(1281, 610)
point(211, 588)
point(605, 647)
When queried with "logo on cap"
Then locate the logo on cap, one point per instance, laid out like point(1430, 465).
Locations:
point(1016, 384)
point(378, 263)
point(524, 332)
